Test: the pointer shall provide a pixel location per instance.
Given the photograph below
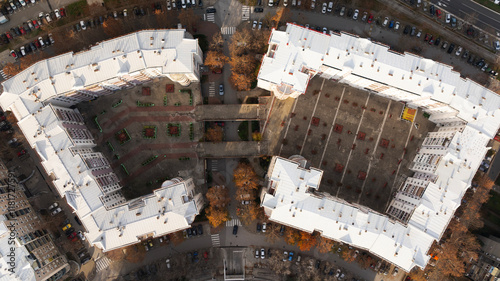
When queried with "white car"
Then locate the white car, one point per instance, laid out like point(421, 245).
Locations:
point(48, 17)
point(168, 263)
point(51, 39)
point(386, 21)
point(285, 3)
point(459, 51)
point(56, 211)
point(264, 226)
point(57, 13)
point(448, 18)
point(80, 235)
point(270, 3)
point(12, 5)
point(323, 10)
point(125, 12)
point(262, 253)
point(324, 30)
point(419, 33)
point(497, 45)
point(22, 3)
point(313, 4)
point(169, 6)
point(396, 26)
point(356, 13)
point(23, 51)
point(254, 24)
point(82, 24)
point(40, 39)
point(330, 6)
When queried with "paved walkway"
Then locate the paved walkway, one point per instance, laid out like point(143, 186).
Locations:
point(162, 157)
point(155, 146)
point(128, 110)
point(142, 119)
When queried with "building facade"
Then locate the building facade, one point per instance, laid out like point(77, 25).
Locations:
point(466, 114)
point(25, 242)
point(40, 97)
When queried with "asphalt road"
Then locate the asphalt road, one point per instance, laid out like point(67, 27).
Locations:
point(487, 19)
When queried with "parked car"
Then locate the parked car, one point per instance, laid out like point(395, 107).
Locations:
point(54, 205)
point(80, 235)
point(282, 230)
point(406, 30)
point(235, 230)
point(465, 55)
point(323, 9)
point(57, 13)
point(445, 45)
point(459, 51)
point(221, 89)
point(330, 6)
point(13, 54)
point(56, 211)
point(427, 37)
point(448, 18)
point(256, 10)
point(356, 13)
point(48, 18)
point(257, 254)
point(200, 229)
point(370, 19)
point(259, 227)
point(51, 38)
point(342, 11)
point(285, 255)
point(262, 253)
point(396, 26)
point(82, 24)
point(264, 226)
point(386, 21)
point(451, 48)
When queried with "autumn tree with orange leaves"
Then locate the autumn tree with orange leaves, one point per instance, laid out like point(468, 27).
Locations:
point(241, 82)
point(218, 196)
point(214, 134)
point(292, 236)
point(250, 212)
point(306, 241)
point(217, 216)
point(348, 255)
point(216, 60)
point(245, 177)
point(324, 245)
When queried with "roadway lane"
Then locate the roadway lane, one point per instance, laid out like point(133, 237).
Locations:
point(486, 19)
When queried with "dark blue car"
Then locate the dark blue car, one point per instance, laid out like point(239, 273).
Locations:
point(391, 24)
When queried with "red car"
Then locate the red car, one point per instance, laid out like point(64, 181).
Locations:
point(8, 35)
point(438, 13)
point(22, 30)
point(37, 44)
point(427, 37)
point(62, 12)
point(21, 153)
point(35, 23)
point(370, 18)
point(13, 54)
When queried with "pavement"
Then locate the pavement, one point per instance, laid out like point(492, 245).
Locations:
point(487, 19)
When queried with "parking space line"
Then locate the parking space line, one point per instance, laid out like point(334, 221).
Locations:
point(375, 149)
point(312, 115)
point(331, 129)
point(288, 126)
point(350, 152)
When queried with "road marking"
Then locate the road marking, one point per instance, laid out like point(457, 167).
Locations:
point(210, 17)
point(375, 149)
point(228, 30)
point(331, 129)
point(5, 76)
point(102, 263)
point(245, 10)
point(288, 126)
point(213, 165)
point(480, 13)
point(355, 137)
point(211, 89)
point(312, 115)
point(233, 222)
point(215, 240)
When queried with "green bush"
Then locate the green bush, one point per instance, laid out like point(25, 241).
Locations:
point(243, 131)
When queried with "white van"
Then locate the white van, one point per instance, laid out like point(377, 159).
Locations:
point(183, 2)
point(271, 3)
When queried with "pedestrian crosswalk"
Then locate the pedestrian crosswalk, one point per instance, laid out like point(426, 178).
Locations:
point(215, 240)
point(245, 13)
point(211, 89)
point(102, 263)
point(228, 30)
point(233, 222)
point(4, 76)
point(210, 17)
point(213, 165)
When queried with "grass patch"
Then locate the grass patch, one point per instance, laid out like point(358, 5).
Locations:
point(243, 131)
point(202, 41)
point(489, 4)
point(77, 9)
point(255, 126)
point(493, 203)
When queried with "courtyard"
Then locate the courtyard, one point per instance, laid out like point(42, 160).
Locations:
point(148, 133)
point(357, 138)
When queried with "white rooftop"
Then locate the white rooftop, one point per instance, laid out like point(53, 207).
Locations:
point(21, 270)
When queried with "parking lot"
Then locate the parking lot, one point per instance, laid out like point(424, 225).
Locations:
point(357, 138)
